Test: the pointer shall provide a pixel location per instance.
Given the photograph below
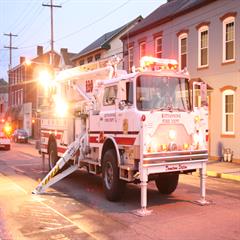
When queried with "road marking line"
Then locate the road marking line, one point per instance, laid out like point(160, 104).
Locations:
point(51, 223)
point(68, 219)
point(54, 210)
point(26, 156)
point(28, 164)
point(19, 187)
point(47, 230)
point(17, 169)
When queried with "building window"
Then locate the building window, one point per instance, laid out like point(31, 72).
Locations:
point(12, 98)
point(228, 101)
point(158, 47)
point(89, 59)
point(81, 62)
point(182, 43)
point(21, 96)
point(110, 95)
point(16, 98)
point(14, 77)
point(229, 39)
point(203, 46)
point(97, 56)
point(142, 49)
point(130, 58)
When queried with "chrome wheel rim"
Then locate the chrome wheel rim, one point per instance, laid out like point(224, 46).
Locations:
point(108, 177)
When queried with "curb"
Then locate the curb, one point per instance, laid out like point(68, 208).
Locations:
point(223, 175)
point(220, 175)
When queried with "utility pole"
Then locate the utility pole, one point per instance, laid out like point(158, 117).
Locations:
point(51, 5)
point(10, 47)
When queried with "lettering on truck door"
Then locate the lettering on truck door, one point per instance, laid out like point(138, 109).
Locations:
point(125, 115)
point(108, 111)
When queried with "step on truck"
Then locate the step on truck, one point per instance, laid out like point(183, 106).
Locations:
point(130, 128)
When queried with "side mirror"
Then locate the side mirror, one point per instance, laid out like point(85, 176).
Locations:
point(121, 104)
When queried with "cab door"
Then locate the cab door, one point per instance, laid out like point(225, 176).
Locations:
point(108, 112)
point(125, 112)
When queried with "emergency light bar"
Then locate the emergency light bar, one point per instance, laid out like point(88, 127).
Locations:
point(163, 63)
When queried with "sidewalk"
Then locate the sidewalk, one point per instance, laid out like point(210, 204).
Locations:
point(225, 170)
point(32, 141)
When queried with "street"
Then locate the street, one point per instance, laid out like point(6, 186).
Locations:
point(76, 208)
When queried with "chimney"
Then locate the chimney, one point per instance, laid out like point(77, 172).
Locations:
point(63, 50)
point(39, 50)
point(22, 60)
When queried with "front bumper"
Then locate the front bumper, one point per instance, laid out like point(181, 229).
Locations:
point(178, 161)
point(174, 156)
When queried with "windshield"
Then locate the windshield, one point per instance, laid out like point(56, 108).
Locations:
point(22, 131)
point(163, 93)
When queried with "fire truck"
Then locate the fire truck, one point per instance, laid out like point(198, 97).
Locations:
point(128, 127)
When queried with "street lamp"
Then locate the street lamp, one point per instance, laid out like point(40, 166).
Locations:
point(42, 74)
point(44, 78)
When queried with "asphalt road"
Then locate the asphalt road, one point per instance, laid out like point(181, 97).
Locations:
point(76, 208)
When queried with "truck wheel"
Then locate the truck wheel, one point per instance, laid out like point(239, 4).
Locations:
point(167, 182)
point(53, 158)
point(113, 186)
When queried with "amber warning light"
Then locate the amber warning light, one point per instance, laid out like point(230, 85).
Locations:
point(160, 63)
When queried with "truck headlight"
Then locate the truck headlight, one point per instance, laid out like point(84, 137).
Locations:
point(172, 134)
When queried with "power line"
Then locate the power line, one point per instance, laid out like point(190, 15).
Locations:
point(92, 23)
point(31, 26)
point(10, 47)
point(36, 14)
point(65, 2)
point(20, 18)
point(51, 5)
point(75, 32)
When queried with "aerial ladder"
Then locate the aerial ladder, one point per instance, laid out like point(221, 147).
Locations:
point(74, 150)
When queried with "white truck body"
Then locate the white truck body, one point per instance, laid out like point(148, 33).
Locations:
point(120, 120)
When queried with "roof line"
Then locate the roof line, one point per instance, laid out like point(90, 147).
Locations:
point(166, 19)
point(122, 29)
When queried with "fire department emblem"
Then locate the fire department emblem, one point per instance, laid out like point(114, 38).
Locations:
point(125, 126)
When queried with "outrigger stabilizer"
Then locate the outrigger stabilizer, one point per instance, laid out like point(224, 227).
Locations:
point(54, 176)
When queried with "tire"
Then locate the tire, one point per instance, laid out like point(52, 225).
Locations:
point(112, 185)
point(52, 155)
point(167, 182)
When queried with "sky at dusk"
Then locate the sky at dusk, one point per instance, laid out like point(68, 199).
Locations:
point(76, 24)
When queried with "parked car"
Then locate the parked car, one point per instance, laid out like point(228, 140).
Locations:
point(4, 141)
point(20, 135)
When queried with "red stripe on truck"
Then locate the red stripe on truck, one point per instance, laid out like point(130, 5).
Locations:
point(59, 149)
point(119, 140)
point(46, 135)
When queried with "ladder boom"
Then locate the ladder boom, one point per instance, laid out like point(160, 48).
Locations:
point(52, 177)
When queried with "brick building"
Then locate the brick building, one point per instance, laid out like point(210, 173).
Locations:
point(3, 98)
point(25, 94)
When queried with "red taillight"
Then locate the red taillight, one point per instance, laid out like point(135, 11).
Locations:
point(206, 135)
point(143, 118)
